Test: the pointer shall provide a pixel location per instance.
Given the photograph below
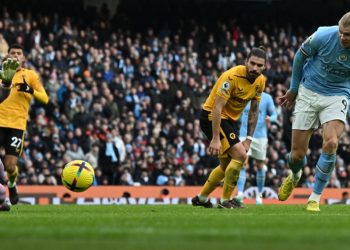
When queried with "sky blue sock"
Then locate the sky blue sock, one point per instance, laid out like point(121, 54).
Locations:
point(295, 166)
point(241, 180)
point(324, 168)
point(260, 179)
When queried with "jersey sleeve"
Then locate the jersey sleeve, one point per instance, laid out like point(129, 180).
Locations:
point(225, 86)
point(39, 91)
point(312, 44)
point(35, 81)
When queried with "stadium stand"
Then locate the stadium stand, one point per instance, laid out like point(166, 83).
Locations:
point(137, 78)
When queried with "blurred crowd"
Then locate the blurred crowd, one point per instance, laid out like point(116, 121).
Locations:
point(128, 102)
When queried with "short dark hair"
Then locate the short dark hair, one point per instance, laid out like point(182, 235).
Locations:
point(15, 46)
point(258, 52)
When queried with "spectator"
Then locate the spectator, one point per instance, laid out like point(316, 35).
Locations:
point(75, 152)
point(109, 160)
point(125, 82)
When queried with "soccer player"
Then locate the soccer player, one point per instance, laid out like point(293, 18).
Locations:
point(14, 113)
point(219, 122)
point(4, 206)
point(9, 67)
point(320, 90)
point(258, 146)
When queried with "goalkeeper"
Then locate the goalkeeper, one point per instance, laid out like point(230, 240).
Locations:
point(14, 107)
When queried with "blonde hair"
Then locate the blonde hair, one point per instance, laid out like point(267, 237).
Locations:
point(345, 20)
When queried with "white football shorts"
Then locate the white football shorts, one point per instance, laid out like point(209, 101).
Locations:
point(258, 148)
point(312, 109)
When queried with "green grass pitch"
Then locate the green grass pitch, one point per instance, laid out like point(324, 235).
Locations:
point(174, 227)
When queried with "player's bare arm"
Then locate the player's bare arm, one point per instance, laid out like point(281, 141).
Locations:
point(253, 117)
point(288, 99)
point(252, 120)
point(215, 144)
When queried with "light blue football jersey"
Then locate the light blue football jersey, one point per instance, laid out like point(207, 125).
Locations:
point(327, 69)
point(266, 108)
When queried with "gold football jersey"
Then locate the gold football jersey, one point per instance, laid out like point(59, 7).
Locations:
point(234, 87)
point(14, 109)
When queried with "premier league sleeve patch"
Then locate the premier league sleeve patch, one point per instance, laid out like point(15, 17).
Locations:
point(225, 87)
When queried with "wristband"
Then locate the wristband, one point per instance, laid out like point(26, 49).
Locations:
point(249, 138)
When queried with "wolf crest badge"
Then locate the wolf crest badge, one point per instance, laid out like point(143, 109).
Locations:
point(343, 57)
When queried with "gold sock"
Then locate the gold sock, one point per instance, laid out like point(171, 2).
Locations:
point(231, 178)
point(12, 176)
point(213, 181)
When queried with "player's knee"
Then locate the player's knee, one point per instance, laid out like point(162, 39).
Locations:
point(238, 152)
point(10, 168)
point(10, 165)
point(260, 164)
point(240, 156)
point(224, 162)
point(297, 156)
point(330, 145)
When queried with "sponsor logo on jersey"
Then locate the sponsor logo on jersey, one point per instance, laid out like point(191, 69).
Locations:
point(225, 87)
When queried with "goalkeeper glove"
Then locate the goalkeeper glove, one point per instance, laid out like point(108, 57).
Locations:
point(24, 87)
point(9, 67)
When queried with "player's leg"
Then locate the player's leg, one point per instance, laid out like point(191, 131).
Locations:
point(333, 119)
point(13, 148)
point(4, 206)
point(305, 121)
point(231, 146)
point(238, 156)
point(241, 184)
point(3, 179)
point(12, 173)
point(2, 173)
point(216, 175)
point(296, 161)
point(260, 180)
point(241, 181)
point(258, 150)
point(332, 131)
point(213, 181)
